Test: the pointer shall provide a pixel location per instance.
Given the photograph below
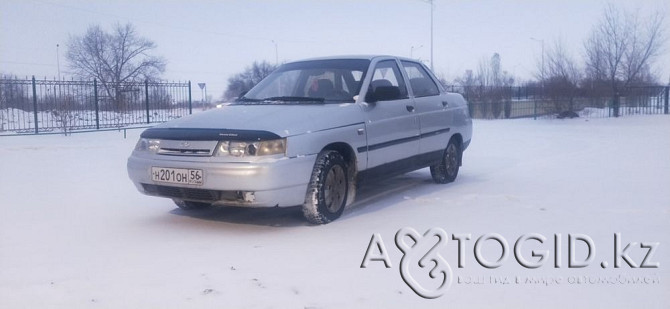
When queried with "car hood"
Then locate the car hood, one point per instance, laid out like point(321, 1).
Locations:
point(281, 119)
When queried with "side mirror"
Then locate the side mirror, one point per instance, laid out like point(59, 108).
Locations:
point(242, 94)
point(370, 97)
point(383, 93)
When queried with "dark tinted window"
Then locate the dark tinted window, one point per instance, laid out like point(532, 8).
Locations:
point(421, 83)
point(387, 74)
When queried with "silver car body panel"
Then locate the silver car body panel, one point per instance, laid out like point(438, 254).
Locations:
point(377, 134)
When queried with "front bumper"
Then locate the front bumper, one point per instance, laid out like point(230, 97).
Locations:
point(271, 183)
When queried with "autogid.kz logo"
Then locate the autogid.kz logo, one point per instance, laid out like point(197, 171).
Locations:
point(438, 266)
point(426, 271)
point(422, 251)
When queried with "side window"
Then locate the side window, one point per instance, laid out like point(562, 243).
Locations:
point(387, 79)
point(421, 83)
point(353, 80)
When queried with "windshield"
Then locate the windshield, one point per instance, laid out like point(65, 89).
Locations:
point(316, 81)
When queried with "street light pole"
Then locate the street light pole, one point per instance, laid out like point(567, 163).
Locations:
point(276, 52)
point(431, 36)
point(58, 60)
point(432, 67)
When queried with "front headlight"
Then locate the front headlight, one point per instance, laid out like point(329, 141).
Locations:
point(145, 144)
point(245, 149)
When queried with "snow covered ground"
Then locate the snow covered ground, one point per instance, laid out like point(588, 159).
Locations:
point(75, 233)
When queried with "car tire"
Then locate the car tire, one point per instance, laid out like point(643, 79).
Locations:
point(189, 205)
point(447, 170)
point(327, 191)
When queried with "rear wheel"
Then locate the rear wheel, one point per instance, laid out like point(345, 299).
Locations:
point(447, 170)
point(189, 205)
point(327, 190)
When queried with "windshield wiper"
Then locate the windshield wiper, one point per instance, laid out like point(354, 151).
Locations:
point(294, 99)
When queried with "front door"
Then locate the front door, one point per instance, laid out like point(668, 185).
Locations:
point(392, 125)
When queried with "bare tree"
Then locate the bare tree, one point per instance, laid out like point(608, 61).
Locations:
point(442, 78)
point(65, 112)
point(494, 84)
point(114, 58)
point(496, 70)
point(468, 84)
point(560, 63)
point(483, 76)
point(245, 80)
point(561, 77)
point(490, 73)
point(621, 47)
point(467, 80)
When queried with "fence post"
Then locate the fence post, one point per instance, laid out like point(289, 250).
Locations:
point(615, 104)
point(518, 93)
point(667, 94)
point(97, 107)
point(146, 98)
point(190, 103)
point(35, 104)
point(535, 102)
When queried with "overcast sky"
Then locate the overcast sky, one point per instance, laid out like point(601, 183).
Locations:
point(208, 41)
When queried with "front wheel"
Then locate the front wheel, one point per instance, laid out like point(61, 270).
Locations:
point(328, 188)
point(447, 170)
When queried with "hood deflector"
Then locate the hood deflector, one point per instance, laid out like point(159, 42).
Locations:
point(186, 134)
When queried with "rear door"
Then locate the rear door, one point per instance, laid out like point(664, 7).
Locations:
point(432, 109)
point(392, 126)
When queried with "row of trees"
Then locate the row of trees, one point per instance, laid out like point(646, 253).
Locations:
point(619, 53)
point(489, 86)
point(244, 81)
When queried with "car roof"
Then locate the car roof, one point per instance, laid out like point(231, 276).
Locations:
point(361, 57)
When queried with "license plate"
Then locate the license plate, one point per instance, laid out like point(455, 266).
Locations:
point(184, 176)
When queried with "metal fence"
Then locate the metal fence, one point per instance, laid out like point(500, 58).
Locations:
point(40, 106)
point(31, 106)
point(534, 102)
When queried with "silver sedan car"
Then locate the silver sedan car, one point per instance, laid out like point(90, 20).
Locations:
point(308, 134)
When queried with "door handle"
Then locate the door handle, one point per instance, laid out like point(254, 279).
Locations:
point(445, 103)
point(410, 108)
